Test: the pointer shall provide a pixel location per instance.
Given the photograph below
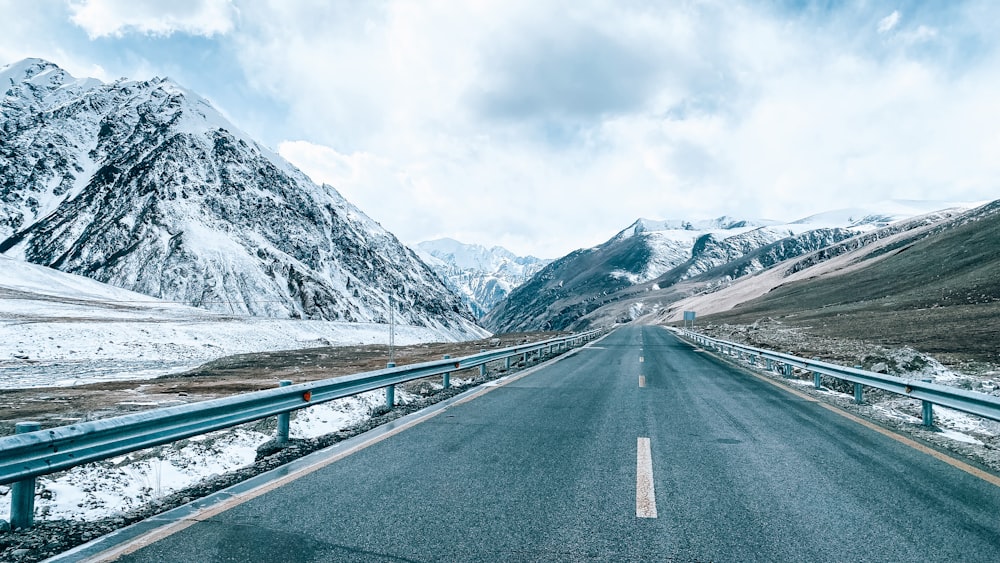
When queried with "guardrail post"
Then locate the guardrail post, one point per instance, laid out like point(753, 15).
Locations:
point(284, 421)
point(788, 371)
point(390, 391)
point(22, 493)
point(816, 377)
point(506, 363)
point(858, 397)
point(927, 410)
point(770, 364)
point(482, 367)
point(446, 378)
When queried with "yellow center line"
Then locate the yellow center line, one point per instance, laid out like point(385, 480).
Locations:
point(645, 498)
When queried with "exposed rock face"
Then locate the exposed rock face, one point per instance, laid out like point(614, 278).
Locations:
point(145, 186)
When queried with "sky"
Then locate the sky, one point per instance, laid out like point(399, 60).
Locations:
point(546, 126)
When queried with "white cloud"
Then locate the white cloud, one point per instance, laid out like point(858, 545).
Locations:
point(752, 115)
point(510, 122)
point(103, 18)
point(888, 23)
point(32, 31)
point(921, 34)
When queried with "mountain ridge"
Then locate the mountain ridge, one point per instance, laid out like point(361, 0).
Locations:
point(144, 185)
point(653, 256)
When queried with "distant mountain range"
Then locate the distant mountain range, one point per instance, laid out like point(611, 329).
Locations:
point(145, 186)
point(482, 276)
point(931, 282)
point(639, 266)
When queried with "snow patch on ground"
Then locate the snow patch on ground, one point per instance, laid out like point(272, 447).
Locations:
point(619, 274)
point(58, 329)
point(115, 486)
point(40, 354)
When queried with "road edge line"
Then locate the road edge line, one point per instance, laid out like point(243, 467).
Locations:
point(906, 440)
point(224, 499)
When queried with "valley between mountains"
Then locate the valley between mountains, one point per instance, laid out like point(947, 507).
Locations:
point(152, 254)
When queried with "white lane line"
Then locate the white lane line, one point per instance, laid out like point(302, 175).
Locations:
point(642, 381)
point(641, 359)
point(645, 499)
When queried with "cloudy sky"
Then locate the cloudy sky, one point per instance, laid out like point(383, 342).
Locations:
point(546, 126)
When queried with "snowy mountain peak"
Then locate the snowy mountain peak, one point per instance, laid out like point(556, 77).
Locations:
point(27, 69)
point(482, 276)
point(146, 186)
point(879, 214)
point(472, 256)
point(37, 82)
point(723, 223)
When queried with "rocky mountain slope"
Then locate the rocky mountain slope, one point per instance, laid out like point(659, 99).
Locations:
point(482, 276)
point(639, 269)
point(932, 282)
point(145, 186)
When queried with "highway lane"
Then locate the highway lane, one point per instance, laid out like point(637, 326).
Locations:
point(548, 468)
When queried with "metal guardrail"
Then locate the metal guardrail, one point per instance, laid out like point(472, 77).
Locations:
point(32, 452)
point(979, 404)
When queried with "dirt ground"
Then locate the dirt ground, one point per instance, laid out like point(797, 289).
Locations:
point(58, 406)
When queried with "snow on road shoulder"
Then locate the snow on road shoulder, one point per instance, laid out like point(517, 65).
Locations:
point(113, 487)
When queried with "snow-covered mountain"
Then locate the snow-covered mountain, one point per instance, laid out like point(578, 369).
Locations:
point(482, 276)
point(145, 186)
point(654, 255)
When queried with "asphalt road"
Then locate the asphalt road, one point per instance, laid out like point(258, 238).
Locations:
point(549, 467)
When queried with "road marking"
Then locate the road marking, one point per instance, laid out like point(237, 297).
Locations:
point(642, 381)
point(645, 499)
point(114, 552)
point(975, 471)
point(641, 359)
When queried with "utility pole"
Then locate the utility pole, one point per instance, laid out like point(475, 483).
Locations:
point(392, 333)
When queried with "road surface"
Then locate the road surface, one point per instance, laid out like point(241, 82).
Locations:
point(638, 447)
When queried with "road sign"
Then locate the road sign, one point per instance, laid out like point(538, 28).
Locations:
point(688, 316)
